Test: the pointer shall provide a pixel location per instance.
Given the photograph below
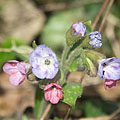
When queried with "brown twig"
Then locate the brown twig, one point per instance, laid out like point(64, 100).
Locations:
point(46, 112)
point(66, 116)
point(106, 14)
point(114, 114)
point(100, 14)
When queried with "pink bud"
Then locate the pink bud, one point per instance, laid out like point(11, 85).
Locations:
point(17, 71)
point(109, 84)
point(53, 93)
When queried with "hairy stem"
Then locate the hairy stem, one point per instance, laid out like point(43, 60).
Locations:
point(62, 64)
point(64, 55)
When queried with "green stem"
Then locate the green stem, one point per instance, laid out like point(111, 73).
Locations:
point(72, 56)
point(62, 64)
point(64, 55)
point(78, 51)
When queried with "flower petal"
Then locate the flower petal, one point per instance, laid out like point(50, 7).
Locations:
point(54, 99)
point(47, 95)
point(10, 67)
point(59, 94)
point(40, 73)
point(22, 67)
point(17, 78)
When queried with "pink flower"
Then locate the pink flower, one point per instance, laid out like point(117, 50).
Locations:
point(53, 93)
point(109, 84)
point(17, 71)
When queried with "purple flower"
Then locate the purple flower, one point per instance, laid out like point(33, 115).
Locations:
point(53, 93)
point(109, 69)
point(17, 71)
point(44, 62)
point(79, 28)
point(95, 39)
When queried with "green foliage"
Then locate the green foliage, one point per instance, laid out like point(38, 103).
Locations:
point(97, 107)
point(40, 103)
point(8, 44)
point(74, 66)
point(22, 52)
point(71, 92)
point(88, 27)
point(94, 56)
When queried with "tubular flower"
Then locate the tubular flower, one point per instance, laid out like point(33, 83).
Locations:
point(44, 62)
point(109, 69)
point(53, 93)
point(79, 28)
point(95, 39)
point(17, 71)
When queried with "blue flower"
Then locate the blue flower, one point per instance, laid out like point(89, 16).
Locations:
point(95, 39)
point(109, 69)
point(79, 28)
point(44, 62)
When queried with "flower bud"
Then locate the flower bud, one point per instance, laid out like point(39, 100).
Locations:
point(91, 67)
point(75, 33)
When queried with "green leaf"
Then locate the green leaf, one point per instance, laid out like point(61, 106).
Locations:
point(5, 56)
point(22, 51)
point(40, 103)
point(88, 27)
point(73, 67)
point(89, 65)
point(71, 92)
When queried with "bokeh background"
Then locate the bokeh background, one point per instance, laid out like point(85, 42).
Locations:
point(46, 21)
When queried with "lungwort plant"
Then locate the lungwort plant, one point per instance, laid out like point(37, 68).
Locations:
point(42, 66)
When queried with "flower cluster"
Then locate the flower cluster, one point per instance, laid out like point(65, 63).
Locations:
point(44, 65)
point(109, 69)
point(95, 39)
